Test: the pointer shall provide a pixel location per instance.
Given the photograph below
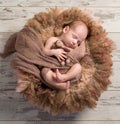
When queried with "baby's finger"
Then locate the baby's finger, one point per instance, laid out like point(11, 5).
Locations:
point(59, 59)
point(65, 53)
point(64, 56)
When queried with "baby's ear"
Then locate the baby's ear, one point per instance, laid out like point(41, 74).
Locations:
point(66, 29)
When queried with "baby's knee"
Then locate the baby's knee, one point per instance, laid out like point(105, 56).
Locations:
point(78, 66)
point(78, 70)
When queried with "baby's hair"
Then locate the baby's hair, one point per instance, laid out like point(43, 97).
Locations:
point(74, 24)
point(67, 24)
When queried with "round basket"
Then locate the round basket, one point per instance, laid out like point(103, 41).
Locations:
point(96, 67)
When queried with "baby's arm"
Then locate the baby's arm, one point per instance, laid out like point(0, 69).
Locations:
point(48, 45)
point(59, 53)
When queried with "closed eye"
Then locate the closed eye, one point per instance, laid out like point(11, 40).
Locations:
point(74, 36)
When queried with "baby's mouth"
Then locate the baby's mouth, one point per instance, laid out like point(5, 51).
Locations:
point(72, 46)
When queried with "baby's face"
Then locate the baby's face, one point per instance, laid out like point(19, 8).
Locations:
point(73, 37)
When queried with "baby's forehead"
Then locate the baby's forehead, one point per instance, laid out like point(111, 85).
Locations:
point(80, 31)
point(80, 28)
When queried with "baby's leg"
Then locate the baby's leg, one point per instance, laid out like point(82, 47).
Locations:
point(49, 75)
point(72, 73)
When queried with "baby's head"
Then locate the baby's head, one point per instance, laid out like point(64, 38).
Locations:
point(74, 34)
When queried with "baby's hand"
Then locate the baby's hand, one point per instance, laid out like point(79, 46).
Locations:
point(60, 54)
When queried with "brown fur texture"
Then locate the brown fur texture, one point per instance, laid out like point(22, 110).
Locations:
point(96, 66)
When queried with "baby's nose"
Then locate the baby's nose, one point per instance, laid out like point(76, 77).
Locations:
point(74, 43)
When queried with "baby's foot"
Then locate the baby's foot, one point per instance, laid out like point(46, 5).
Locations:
point(62, 85)
point(60, 77)
point(22, 85)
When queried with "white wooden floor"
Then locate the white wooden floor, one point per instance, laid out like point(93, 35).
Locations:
point(13, 108)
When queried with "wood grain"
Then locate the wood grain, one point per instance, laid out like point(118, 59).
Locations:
point(14, 107)
point(68, 3)
point(14, 18)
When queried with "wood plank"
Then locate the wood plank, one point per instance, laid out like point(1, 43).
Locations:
point(11, 16)
point(13, 122)
point(116, 51)
point(38, 122)
point(84, 122)
point(8, 79)
point(14, 107)
point(59, 122)
point(115, 81)
point(87, 3)
point(116, 62)
point(25, 122)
